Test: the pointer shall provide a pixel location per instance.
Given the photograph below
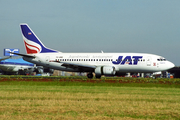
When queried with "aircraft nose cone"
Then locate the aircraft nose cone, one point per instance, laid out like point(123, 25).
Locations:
point(170, 65)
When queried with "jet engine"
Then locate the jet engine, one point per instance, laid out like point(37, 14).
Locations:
point(105, 70)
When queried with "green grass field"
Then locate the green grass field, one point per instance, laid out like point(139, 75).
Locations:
point(74, 100)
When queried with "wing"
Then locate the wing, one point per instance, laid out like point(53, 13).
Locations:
point(80, 67)
point(5, 58)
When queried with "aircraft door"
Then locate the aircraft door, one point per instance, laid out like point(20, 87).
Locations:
point(157, 64)
point(149, 61)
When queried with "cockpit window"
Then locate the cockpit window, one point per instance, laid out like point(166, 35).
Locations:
point(164, 59)
point(161, 59)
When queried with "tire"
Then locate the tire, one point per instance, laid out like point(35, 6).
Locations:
point(90, 75)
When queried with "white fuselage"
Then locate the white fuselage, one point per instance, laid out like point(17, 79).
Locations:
point(123, 62)
point(13, 68)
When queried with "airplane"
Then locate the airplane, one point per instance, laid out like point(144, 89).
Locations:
point(14, 66)
point(108, 64)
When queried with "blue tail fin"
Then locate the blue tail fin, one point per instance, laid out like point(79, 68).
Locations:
point(32, 43)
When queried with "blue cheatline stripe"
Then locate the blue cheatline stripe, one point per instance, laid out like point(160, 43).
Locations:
point(12, 63)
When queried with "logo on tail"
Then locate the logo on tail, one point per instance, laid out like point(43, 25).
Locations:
point(32, 47)
point(32, 43)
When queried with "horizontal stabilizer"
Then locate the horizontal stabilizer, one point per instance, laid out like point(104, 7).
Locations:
point(24, 55)
point(5, 58)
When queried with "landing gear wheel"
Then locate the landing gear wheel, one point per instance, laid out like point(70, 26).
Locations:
point(90, 75)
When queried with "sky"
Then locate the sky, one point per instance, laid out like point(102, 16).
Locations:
point(138, 26)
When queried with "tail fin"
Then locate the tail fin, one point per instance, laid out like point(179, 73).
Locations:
point(32, 43)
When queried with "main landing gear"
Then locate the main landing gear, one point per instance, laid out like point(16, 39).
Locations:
point(90, 75)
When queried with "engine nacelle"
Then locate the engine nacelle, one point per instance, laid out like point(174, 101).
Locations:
point(105, 70)
point(40, 71)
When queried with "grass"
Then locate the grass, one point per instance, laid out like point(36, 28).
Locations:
point(84, 78)
point(76, 100)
